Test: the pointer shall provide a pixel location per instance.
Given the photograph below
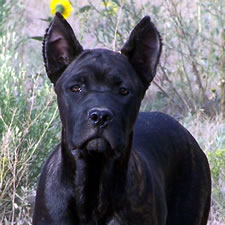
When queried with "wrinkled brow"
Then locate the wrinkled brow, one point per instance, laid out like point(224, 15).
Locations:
point(114, 79)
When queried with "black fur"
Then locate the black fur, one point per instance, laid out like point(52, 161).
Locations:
point(116, 165)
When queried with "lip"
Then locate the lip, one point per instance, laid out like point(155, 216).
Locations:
point(95, 145)
point(84, 144)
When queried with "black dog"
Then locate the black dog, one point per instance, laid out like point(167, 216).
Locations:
point(116, 166)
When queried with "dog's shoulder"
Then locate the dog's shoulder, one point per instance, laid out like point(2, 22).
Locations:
point(51, 163)
point(164, 134)
point(159, 124)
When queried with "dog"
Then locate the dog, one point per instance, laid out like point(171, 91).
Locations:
point(116, 165)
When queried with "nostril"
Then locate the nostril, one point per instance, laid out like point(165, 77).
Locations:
point(94, 117)
point(99, 117)
point(106, 117)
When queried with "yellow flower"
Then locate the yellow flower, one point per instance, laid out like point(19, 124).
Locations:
point(110, 6)
point(213, 90)
point(62, 6)
point(114, 8)
point(106, 4)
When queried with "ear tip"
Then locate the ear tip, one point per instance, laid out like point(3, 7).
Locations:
point(146, 19)
point(59, 15)
point(146, 24)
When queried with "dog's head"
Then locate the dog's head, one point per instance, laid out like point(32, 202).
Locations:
point(99, 91)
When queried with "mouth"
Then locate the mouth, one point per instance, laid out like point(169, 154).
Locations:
point(94, 146)
point(97, 144)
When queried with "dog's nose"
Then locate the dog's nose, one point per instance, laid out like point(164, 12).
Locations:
point(100, 117)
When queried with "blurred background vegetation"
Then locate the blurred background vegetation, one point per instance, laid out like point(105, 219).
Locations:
point(190, 84)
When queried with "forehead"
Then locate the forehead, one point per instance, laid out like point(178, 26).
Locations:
point(99, 62)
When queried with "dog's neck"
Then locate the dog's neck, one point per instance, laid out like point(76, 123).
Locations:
point(99, 183)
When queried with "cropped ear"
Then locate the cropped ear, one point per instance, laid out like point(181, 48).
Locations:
point(143, 49)
point(60, 47)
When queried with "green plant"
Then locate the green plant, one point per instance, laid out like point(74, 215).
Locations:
point(217, 164)
point(191, 35)
point(27, 120)
point(4, 11)
point(186, 86)
point(210, 135)
point(111, 20)
point(6, 7)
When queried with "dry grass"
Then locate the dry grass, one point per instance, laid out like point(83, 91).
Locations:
point(28, 111)
point(210, 136)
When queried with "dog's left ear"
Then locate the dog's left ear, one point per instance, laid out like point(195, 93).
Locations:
point(60, 47)
point(143, 49)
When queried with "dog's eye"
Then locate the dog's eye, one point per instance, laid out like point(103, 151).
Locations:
point(76, 88)
point(124, 91)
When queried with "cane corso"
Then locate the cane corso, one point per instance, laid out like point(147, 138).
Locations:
point(116, 165)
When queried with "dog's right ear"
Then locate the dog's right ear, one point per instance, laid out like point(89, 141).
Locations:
point(60, 47)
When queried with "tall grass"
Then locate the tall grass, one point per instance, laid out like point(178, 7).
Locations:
point(186, 87)
point(27, 120)
point(190, 68)
point(210, 136)
point(187, 84)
